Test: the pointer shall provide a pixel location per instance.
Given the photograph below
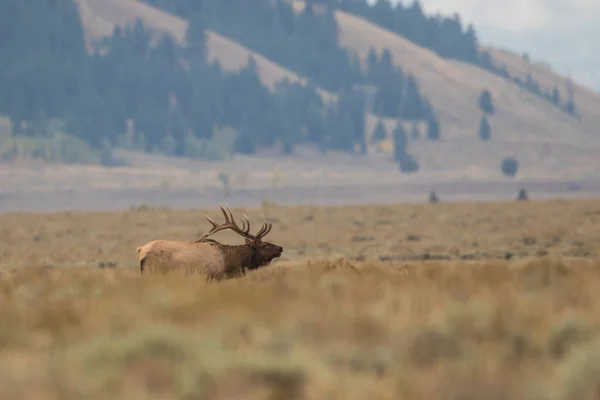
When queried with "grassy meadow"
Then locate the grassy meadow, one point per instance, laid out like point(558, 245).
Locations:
point(431, 301)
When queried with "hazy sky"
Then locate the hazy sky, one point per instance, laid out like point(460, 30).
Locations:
point(559, 32)
point(519, 15)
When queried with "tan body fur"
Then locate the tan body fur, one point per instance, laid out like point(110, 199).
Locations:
point(208, 257)
point(211, 259)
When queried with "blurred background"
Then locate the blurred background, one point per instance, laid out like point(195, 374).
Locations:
point(109, 104)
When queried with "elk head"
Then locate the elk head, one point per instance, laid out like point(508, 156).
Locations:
point(262, 252)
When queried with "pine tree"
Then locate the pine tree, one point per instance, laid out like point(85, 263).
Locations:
point(387, 60)
point(379, 133)
point(555, 96)
point(400, 142)
point(433, 127)
point(408, 163)
point(485, 131)
point(571, 106)
point(415, 133)
point(372, 64)
point(363, 148)
point(244, 142)
point(509, 166)
point(485, 102)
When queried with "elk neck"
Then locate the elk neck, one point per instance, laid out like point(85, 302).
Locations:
point(242, 254)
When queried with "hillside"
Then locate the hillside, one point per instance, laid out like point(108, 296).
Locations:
point(99, 18)
point(524, 126)
point(454, 87)
point(588, 100)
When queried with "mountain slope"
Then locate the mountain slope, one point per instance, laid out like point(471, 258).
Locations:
point(548, 143)
point(587, 100)
point(99, 18)
point(454, 87)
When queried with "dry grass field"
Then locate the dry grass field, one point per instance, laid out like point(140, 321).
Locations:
point(436, 301)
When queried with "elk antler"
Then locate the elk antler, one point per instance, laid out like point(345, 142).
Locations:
point(231, 224)
point(264, 231)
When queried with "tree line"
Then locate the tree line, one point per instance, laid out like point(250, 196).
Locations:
point(306, 43)
point(175, 97)
point(444, 35)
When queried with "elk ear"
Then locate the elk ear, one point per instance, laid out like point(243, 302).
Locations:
point(249, 242)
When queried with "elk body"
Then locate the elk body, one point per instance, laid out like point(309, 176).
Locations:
point(208, 257)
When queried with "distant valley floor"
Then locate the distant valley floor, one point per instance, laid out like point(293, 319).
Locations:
point(157, 181)
point(94, 199)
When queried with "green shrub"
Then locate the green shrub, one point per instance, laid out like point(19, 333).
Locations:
point(485, 130)
point(58, 148)
point(219, 147)
point(509, 166)
point(408, 163)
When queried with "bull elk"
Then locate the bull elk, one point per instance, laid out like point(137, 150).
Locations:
point(214, 260)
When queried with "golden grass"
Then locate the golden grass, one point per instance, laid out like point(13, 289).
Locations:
point(470, 326)
point(372, 233)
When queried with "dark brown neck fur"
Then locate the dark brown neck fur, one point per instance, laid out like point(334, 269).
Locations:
point(240, 255)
